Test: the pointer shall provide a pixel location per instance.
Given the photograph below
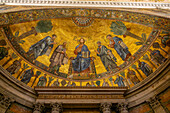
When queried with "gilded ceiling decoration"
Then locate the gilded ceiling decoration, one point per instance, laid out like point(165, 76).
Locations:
point(83, 47)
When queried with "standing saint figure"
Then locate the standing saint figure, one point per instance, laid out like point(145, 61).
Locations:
point(106, 56)
point(56, 83)
point(146, 69)
point(3, 52)
point(82, 61)
point(14, 67)
point(58, 58)
point(157, 57)
point(26, 76)
point(121, 48)
point(42, 80)
point(119, 80)
point(41, 47)
point(131, 77)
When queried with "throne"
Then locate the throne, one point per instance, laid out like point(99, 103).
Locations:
point(84, 75)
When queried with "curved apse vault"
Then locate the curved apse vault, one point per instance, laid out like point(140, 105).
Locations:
point(120, 48)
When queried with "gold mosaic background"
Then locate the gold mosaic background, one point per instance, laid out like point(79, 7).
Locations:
point(66, 30)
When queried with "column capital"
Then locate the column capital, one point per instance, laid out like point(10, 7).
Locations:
point(56, 107)
point(38, 107)
point(123, 107)
point(5, 101)
point(106, 107)
point(154, 102)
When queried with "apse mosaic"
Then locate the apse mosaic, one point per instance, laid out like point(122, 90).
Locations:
point(82, 50)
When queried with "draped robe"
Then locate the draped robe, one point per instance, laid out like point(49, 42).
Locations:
point(42, 81)
point(80, 63)
point(157, 57)
point(14, 68)
point(120, 47)
point(119, 81)
point(57, 57)
point(106, 59)
point(146, 69)
point(41, 47)
point(26, 76)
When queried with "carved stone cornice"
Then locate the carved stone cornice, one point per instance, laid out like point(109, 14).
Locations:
point(38, 107)
point(124, 3)
point(123, 107)
point(13, 88)
point(56, 107)
point(106, 107)
point(5, 101)
point(151, 86)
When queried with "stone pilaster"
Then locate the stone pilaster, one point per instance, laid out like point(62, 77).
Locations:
point(38, 107)
point(154, 102)
point(56, 107)
point(5, 102)
point(106, 107)
point(123, 107)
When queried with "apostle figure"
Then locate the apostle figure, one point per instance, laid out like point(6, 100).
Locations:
point(3, 52)
point(104, 83)
point(121, 48)
point(58, 58)
point(131, 77)
point(146, 69)
point(119, 81)
point(82, 61)
point(106, 56)
point(26, 76)
point(88, 85)
point(69, 84)
point(157, 57)
point(41, 47)
point(92, 84)
point(14, 67)
point(42, 80)
point(56, 83)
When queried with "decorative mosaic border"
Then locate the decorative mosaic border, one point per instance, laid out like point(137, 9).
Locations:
point(80, 97)
point(123, 3)
point(152, 37)
point(33, 15)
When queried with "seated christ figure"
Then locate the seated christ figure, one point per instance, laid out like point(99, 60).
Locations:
point(82, 62)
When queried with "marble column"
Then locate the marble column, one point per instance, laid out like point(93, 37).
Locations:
point(5, 102)
point(56, 107)
point(106, 107)
point(38, 107)
point(154, 102)
point(123, 107)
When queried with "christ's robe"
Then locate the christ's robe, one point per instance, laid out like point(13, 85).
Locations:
point(41, 47)
point(81, 63)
